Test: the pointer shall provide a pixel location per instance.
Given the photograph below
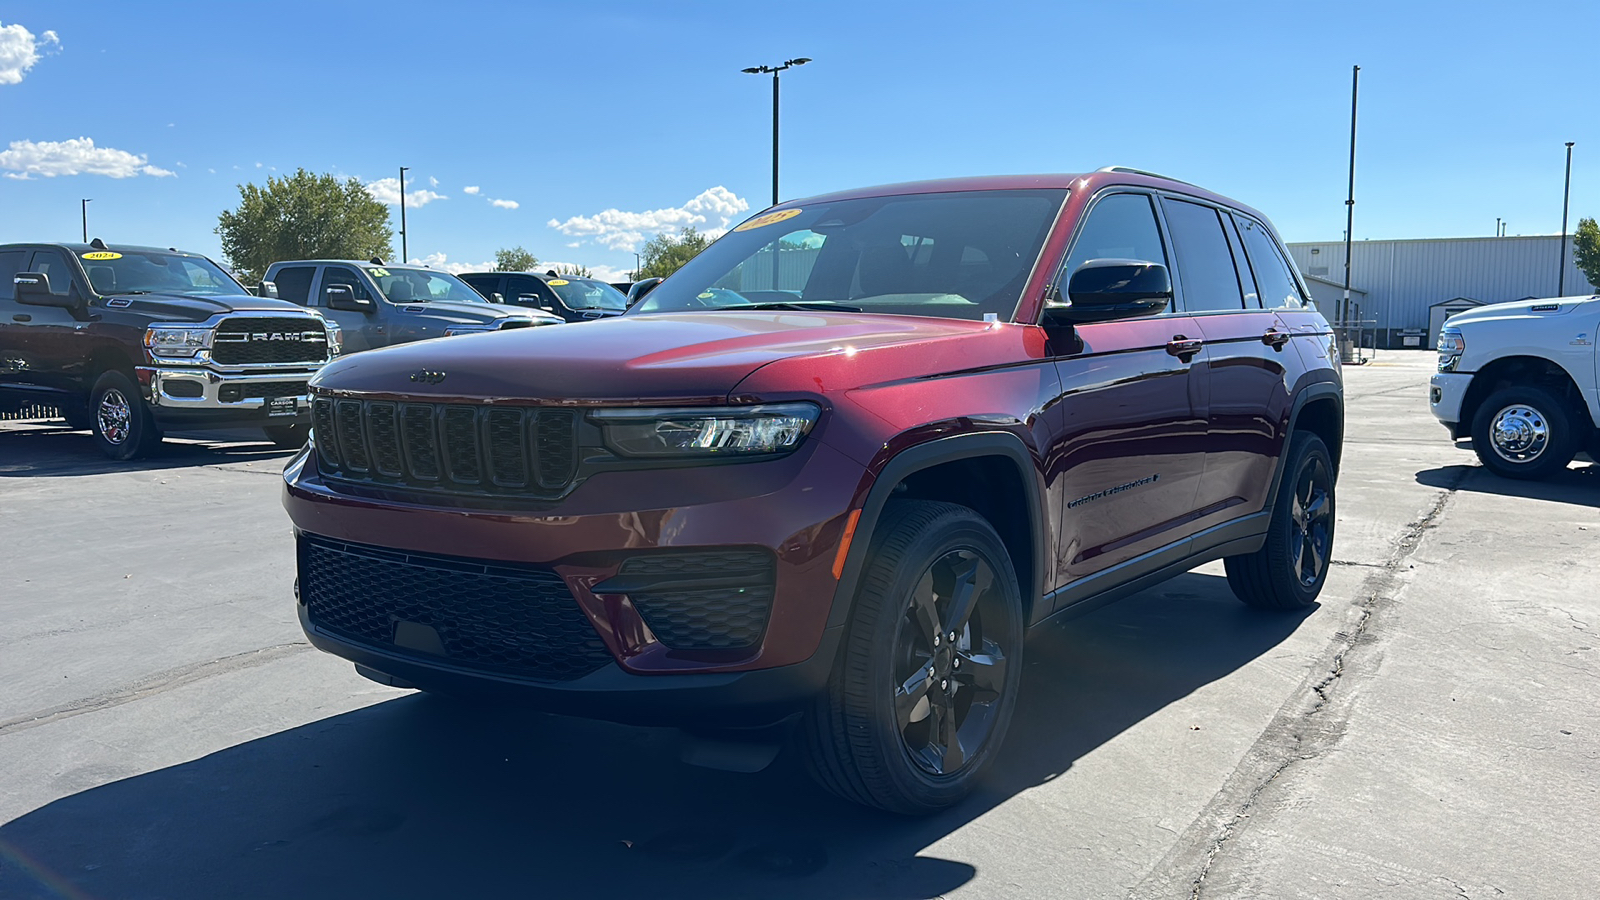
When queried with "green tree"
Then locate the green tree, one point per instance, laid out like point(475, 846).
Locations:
point(571, 270)
point(666, 253)
point(514, 259)
point(1586, 250)
point(303, 216)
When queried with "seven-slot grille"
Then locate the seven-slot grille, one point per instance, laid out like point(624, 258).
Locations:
point(263, 340)
point(489, 450)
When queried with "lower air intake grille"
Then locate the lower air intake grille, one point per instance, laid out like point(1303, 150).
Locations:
point(718, 600)
point(493, 617)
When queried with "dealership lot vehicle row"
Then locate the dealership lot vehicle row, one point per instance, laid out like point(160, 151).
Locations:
point(166, 731)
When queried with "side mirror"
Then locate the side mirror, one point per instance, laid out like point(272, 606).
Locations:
point(496, 297)
point(640, 288)
point(343, 296)
point(531, 300)
point(33, 288)
point(268, 290)
point(1105, 289)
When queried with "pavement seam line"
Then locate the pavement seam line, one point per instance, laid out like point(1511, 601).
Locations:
point(152, 685)
point(1288, 738)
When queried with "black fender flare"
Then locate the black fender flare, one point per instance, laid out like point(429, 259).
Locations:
point(1321, 390)
point(925, 456)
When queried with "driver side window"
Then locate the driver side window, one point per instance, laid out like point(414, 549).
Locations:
point(55, 267)
point(343, 275)
point(1121, 226)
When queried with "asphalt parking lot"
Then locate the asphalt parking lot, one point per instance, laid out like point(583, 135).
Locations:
point(1430, 730)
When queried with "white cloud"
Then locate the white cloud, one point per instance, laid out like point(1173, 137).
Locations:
point(505, 204)
point(73, 157)
point(387, 190)
point(711, 211)
point(443, 263)
point(470, 189)
point(19, 50)
point(212, 171)
point(432, 181)
point(258, 165)
point(576, 244)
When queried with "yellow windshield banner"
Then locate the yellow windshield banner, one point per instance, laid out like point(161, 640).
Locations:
point(102, 254)
point(769, 219)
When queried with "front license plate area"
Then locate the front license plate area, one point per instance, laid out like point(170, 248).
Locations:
point(283, 406)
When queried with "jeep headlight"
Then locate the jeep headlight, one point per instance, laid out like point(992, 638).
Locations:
point(1451, 348)
point(706, 432)
point(176, 341)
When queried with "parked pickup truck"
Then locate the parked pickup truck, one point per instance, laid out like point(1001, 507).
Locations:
point(1519, 380)
point(571, 297)
point(130, 341)
point(378, 304)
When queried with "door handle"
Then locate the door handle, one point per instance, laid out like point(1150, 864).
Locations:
point(22, 317)
point(1275, 338)
point(1183, 348)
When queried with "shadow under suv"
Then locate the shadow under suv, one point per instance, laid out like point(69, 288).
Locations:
point(831, 472)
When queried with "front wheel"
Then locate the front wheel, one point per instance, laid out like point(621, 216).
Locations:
point(1289, 569)
point(289, 437)
point(1524, 432)
point(122, 424)
point(927, 678)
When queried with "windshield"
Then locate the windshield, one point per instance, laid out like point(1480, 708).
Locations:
point(583, 293)
point(954, 255)
point(146, 272)
point(422, 286)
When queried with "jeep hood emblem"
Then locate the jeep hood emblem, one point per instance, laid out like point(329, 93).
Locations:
point(427, 377)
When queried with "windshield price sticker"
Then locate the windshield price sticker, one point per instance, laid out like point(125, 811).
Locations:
point(102, 254)
point(556, 282)
point(378, 273)
point(769, 219)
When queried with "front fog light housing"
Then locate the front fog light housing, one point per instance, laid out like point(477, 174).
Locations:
point(162, 340)
point(705, 432)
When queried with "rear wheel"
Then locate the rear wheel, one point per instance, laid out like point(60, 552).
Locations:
point(1524, 432)
point(289, 437)
point(1289, 569)
point(927, 678)
point(123, 426)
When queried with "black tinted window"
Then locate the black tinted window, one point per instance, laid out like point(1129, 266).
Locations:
point(343, 275)
point(1121, 226)
point(1205, 263)
point(10, 265)
point(53, 264)
point(1273, 279)
point(294, 284)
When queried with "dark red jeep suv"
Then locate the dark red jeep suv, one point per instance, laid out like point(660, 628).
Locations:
point(831, 472)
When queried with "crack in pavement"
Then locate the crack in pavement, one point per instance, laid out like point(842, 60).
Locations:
point(155, 684)
point(1300, 731)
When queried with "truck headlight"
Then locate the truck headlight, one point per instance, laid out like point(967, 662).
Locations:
point(466, 329)
point(706, 432)
point(176, 341)
point(335, 337)
point(1451, 348)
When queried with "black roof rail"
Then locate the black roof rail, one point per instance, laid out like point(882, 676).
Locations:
point(1129, 170)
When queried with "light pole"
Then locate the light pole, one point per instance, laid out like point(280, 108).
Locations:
point(403, 255)
point(1566, 194)
point(86, 219)
point(762, 70)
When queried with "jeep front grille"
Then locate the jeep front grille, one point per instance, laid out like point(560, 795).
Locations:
point(447, 447)
point(265, 340)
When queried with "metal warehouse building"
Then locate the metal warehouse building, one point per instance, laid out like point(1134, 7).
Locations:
point(1396, 283)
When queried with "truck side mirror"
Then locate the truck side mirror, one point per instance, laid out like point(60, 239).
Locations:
point(268, 290)
point(1105, 289)
point(343, 296)
point(33, 288)
point(532, 300)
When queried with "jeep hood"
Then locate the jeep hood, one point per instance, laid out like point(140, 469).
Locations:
point(676, 357)
point(194, 307)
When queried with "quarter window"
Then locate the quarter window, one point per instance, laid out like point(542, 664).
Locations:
point(1273, 278)
point(1205, 263)
point(294, 284)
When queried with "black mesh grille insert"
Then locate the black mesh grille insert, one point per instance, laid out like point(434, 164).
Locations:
point(258, 340)
point(717, 600)
point(493, 617)
point(464, 450)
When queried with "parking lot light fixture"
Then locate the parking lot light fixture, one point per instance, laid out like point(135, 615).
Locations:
point(1566, 196)
point(86, 219)
point(774, 70)
point(403, 256)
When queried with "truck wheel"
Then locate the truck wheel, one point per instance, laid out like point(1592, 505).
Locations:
point(927, 677)
point(1524, 432)
point(1289, 569)
point(289, 437)
point(122, 424)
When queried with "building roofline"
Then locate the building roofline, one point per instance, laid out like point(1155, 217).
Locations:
point(1433, 240)
point(1330, 281)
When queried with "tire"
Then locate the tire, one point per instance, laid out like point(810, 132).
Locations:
point(880, 738)
point(289, 437)
point(122, 425)
point(1524, 432)
point(1289, 570)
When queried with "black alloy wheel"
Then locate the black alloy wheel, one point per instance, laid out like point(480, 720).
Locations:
point(1290, 568)
point(927, 678)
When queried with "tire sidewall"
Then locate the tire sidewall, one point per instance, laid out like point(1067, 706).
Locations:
point(1559, 449)
point(1305, 449)
point(141, 430)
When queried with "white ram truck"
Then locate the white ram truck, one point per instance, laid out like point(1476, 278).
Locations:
point(1519, 379)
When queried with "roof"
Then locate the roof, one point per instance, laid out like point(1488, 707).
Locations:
point(78, 249)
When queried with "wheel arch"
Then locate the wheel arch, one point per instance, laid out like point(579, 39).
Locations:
point(1509, 371)
point(994, 474)
point(1319, 409)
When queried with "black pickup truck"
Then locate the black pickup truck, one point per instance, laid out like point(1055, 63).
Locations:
point(130, 342)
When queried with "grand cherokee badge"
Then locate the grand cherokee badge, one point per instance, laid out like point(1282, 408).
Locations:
point(427, 377)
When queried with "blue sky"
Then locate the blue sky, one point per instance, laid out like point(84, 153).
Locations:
point(571, 110)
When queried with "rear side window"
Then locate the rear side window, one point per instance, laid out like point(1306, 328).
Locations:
point(483, 284)
point(1273, 278)
point(10, 265)
point(1121, 226)
point(52, 264)
point(294, 284)
point(1205, 262)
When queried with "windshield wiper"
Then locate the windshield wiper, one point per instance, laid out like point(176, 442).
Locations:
point(825, 305)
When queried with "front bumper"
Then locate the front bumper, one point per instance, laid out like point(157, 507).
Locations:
point(195, 393)
point(1446, 391)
